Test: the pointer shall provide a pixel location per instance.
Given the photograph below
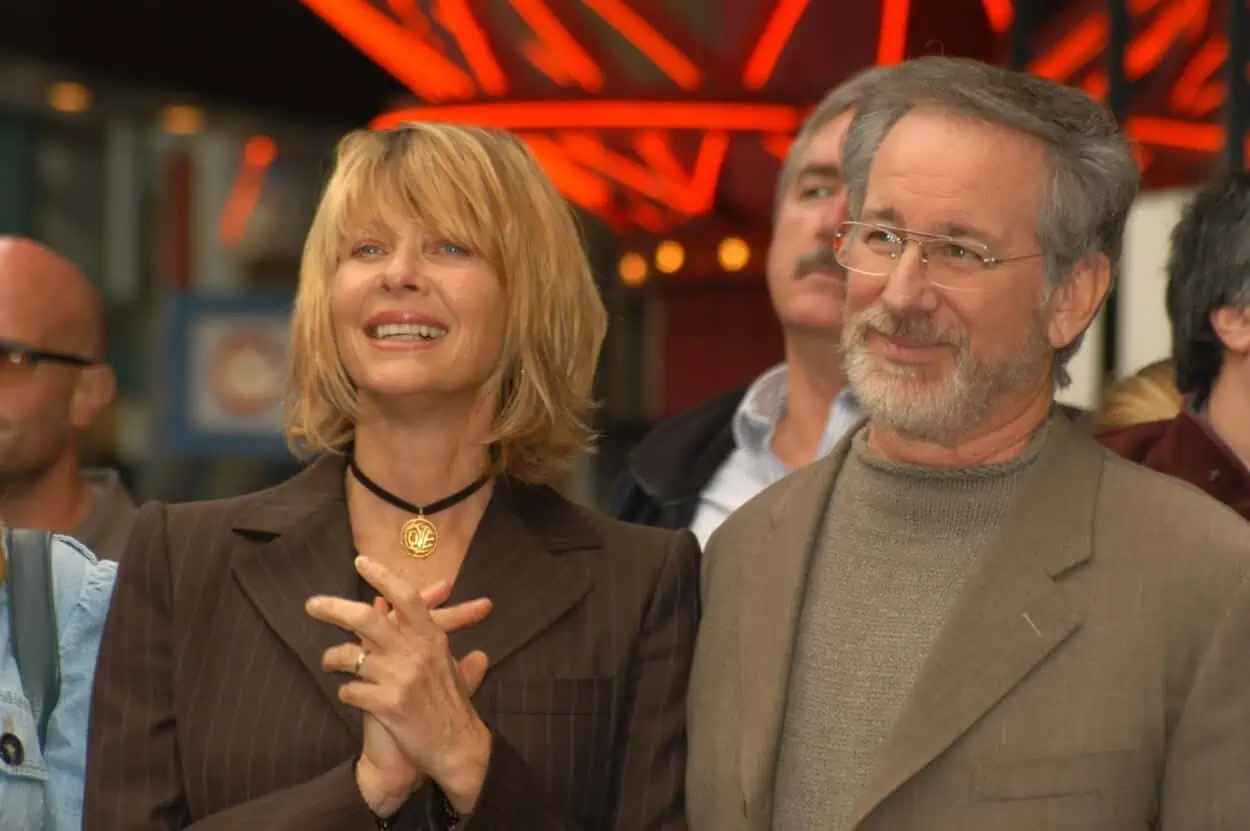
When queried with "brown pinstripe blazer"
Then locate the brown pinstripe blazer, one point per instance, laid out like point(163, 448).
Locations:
point(211, 710)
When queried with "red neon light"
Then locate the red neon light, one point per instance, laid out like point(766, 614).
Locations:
point(557, 43)
point(764, 55)
point(631, 26)
point(459, 20)
point(606, 115)
point(892, 41)
point(400, 52)
point(999, 13)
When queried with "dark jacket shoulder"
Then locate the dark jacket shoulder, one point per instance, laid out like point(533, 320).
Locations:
point(1183, 447)
point(671, 466)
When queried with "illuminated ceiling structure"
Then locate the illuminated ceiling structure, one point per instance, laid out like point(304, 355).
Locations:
point(639, 109)
point(1175, 59)
point(649, 151)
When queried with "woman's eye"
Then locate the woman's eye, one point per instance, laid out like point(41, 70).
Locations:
point(366, 249)
point(452, 249)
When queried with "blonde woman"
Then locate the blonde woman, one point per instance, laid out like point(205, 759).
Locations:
point(415, 631)
point(1148, 395)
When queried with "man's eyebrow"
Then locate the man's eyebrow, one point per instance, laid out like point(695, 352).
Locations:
point(886, 215)
point(820, 169)
point(956, 230)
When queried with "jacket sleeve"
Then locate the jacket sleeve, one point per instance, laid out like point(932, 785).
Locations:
point(1204, 778)
point(134, 775)
point(650, 763)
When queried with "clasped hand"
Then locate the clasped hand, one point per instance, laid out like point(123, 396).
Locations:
point(413, 686)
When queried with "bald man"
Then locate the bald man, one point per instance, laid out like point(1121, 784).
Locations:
point(54, 382)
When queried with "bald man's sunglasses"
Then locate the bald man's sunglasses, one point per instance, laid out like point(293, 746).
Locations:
point(18, 358)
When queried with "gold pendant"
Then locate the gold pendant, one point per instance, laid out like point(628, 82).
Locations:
point(420, 537)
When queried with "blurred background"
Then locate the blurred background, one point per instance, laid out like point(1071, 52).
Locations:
point(175, 151)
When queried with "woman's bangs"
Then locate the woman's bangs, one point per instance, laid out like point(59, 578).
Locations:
point(413, 188)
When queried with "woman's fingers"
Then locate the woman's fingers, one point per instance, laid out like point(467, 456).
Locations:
point(472, 670)
point(346, 658)
point(462, 615)
point(363, 619)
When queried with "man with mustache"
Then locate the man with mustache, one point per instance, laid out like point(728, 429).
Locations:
point(54, 383)
point(695, 469)
point(971, 616)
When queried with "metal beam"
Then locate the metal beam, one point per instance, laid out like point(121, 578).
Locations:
point(1119, 97)
point(1022, 33)
point(1120, 100)
point(1238, 100)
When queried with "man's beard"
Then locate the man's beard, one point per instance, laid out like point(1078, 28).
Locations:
point(917, 405)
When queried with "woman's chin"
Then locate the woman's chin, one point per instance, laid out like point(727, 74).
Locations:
point(395, 391)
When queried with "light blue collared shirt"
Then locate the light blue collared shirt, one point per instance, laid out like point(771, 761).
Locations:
point(752, 466)
point(45, 791)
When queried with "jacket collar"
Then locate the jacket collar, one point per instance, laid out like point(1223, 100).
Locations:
point(295, 541)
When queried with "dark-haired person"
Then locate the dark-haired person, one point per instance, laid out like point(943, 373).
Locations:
point(1208, 301)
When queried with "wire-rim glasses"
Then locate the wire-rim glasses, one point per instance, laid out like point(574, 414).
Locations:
point(874, 250)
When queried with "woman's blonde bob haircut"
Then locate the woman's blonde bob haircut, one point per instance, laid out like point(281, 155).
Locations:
point(1148, 395)
point(484, 190)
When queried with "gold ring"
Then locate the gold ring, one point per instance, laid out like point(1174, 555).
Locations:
point(360, 662)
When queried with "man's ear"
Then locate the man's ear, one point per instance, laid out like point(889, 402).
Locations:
point(1076, 301)
point(94, 391)
point(1232, 326)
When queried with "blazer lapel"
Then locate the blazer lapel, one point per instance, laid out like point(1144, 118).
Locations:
point(305, 548)
point(770, 602)
point(1010, 617)
point(516, 559)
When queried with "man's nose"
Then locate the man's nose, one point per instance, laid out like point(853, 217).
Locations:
point(907, 287)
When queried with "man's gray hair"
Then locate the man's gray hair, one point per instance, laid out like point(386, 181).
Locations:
point(1094, 178)
point(846, 96)
point(1208, 269)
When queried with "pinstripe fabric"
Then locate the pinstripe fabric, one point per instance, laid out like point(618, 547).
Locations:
point(211, 710)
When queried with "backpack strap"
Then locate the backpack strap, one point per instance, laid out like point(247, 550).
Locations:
point(32, 621)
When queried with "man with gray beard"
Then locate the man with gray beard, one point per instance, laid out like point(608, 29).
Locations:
point(970, 616)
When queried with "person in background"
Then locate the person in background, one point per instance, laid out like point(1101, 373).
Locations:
point(1148, 395)
point(695, 469)
point(41, 785)
point(415, 631)
point(1208, 300)
point(54, 383)
point(971, 616)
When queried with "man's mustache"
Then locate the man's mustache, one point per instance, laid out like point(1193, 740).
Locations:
point(917, 327)
point(820, 258)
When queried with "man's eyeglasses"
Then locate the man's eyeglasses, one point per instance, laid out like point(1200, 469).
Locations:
point(875, 250)
point(18, 359)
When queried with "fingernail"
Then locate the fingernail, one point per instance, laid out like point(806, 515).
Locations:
point(363, 562)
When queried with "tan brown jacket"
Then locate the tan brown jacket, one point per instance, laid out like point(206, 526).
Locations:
point(1094, 675)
